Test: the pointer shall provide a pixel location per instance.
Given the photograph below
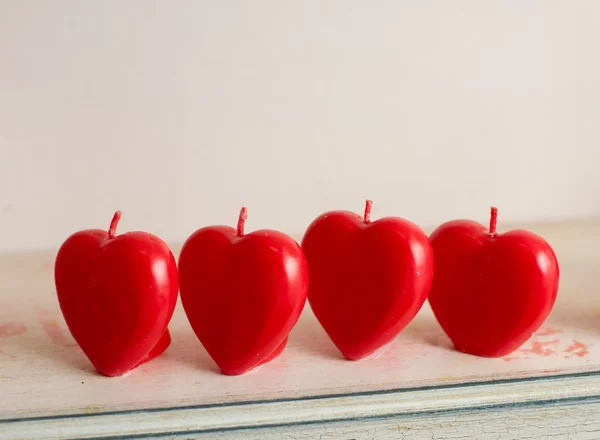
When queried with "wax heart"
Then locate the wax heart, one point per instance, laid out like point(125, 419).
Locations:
point(117, 295)
point(242, 294)
point(491, 291)
point(367, 280)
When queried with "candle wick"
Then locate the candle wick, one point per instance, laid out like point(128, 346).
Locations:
point(493, 220)
point(112, 230)
point(367, 216)
point(241, 221)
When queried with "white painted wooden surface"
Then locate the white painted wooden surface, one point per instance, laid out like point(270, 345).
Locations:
point(579, 421)
point(419, 385)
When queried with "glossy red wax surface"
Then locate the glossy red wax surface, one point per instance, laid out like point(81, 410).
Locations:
point(117, 296)
point(367, 280)
point(242, 293)
point(490, 292)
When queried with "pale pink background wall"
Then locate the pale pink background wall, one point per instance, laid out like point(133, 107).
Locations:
point(179, 112)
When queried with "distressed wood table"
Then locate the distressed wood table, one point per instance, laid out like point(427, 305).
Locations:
point(420, 388)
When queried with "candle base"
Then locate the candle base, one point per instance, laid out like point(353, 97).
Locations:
point(160, 347)
point(276, 352)
point(268, 359)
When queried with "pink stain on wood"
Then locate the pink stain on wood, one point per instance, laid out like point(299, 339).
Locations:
point(2, 352)
point(410, 343)
point(541, 348)
point(577, 348)
point(548, 331)
point(509, 359)
point(55, 333)
point(47, 267)
point(11, 329)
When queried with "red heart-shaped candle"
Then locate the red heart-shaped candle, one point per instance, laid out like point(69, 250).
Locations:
point(491, 291)
point(368, 279)
point(242, 293)
point(117, 295)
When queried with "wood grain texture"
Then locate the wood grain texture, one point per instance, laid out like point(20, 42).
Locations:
point(49, 390)
point(348, 408)
point(579, 421)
